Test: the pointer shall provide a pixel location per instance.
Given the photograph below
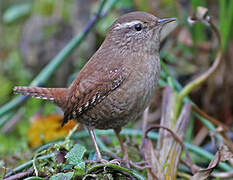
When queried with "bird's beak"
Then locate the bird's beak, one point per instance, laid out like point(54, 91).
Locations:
point(165, 20)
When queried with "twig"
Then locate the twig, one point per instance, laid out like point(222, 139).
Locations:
point(222, 174)
point(194, 167)
point(20, 175)
point(202, 17)
point(224, 128)
point(211, 119)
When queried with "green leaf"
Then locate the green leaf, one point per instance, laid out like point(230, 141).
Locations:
point(16, 12)
point(75, 155)
point(79, 168)
point(62, 176)
point(80, 165)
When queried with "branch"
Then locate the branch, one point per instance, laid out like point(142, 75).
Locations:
point(202, 17)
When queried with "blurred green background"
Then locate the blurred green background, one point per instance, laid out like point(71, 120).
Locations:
point(32, 33)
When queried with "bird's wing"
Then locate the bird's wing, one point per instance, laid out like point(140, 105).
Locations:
point(93, 89)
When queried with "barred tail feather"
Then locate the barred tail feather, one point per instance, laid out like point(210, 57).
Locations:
point(37, 92)
point(56, 95)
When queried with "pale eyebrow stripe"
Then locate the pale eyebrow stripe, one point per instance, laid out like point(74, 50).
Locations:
point(127, 24)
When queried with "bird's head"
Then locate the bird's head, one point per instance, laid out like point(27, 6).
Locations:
point(137, 32)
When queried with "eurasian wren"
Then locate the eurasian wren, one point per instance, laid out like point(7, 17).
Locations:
point(117, 83)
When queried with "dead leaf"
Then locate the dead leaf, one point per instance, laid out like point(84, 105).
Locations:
point(205, 173)
point(226, 154)
point(151, 159)
point(222, 155)
point(201, 12)
point(48, 128)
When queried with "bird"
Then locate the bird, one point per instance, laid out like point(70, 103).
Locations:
point(117, 83)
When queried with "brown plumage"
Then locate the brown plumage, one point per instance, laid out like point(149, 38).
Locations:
point(55, 95)
point(117, 83)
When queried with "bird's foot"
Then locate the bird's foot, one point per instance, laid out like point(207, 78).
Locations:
point(126, 161)
point(113, 161)
point(102, 161)
point(139, 165)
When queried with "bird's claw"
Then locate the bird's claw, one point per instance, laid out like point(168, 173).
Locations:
point(139, 166)
point(127, 163)
point(115, 161)
point(102, 161)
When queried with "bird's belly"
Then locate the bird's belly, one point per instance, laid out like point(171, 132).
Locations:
point(122, 105)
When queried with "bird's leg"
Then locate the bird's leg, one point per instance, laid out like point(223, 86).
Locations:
point(99, 157)
point(126, 159)
point(124, 152)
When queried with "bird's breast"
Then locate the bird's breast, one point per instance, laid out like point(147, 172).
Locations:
point(128, 101)
point(144, 79)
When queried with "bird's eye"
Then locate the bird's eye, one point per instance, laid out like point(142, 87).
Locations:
point(138, 27)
